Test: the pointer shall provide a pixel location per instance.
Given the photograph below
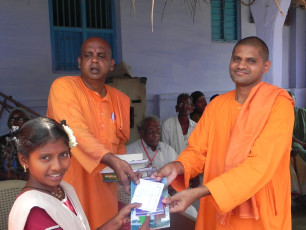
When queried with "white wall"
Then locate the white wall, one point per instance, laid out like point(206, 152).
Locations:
point(177, 57)
point(25, 60)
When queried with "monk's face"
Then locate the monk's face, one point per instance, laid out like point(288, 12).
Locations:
point(95, 61)
point(247, 66)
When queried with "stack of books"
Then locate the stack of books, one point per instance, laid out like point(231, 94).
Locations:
point(135, 160)
point(159, 215)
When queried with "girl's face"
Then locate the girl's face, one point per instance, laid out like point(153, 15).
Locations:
point(48, 164)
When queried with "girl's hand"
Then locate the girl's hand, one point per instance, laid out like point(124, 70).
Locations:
point(122, 218)
point(146, 224)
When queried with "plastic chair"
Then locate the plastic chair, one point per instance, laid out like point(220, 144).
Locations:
point(9, 190)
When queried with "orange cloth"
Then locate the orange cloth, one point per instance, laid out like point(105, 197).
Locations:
point(90, 118)
point(264, 173)
point(251, 120)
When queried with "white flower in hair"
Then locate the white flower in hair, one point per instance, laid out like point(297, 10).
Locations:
point(15, 128)
point(72, 139)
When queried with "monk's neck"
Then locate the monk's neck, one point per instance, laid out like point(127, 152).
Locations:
point(241, 95)
point(96, 86)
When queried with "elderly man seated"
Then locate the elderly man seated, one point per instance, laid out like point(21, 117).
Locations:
point(149, 144)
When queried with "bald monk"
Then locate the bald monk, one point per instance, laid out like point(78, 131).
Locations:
point(99, 117)
point(241, 145)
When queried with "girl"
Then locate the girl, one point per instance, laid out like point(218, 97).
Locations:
point(46, 201)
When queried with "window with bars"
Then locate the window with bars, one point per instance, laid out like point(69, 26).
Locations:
point(225, 20)
point(71, 22)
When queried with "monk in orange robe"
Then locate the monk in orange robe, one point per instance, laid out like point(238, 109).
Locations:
point(99, 117)
point(241, 145)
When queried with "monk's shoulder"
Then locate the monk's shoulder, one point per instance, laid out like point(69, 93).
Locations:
point(66, 81)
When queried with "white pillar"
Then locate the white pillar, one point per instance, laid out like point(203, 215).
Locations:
point(269, 27)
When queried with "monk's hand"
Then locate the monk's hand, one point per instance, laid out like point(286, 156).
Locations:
point(182, 200)
point(122, 218)
point(122, 170)
point(170, 170)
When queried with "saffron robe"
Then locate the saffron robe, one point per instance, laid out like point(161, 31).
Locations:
point(55, 208)
point(100, 125)
point(264, 174)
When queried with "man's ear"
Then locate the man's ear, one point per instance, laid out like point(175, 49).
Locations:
point(22, 160)
point(141, 133)
point(111, 65)
point(267, 66)
point(79, 62)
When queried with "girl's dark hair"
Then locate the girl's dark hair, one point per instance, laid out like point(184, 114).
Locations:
point(37, 132)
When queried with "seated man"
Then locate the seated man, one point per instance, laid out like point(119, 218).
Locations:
point(177, 129)
point(199, 103)
point(149, 144)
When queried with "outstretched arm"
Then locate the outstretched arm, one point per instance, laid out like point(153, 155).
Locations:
point(182, 200)
point(120, 219)
point(123, 218)
point(170, 170)
point(122, 170)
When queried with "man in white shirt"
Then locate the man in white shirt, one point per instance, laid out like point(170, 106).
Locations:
point(149, 144)
point(176, 130)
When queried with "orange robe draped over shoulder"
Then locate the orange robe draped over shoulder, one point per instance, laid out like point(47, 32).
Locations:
point(100, 125)
point(263, 174)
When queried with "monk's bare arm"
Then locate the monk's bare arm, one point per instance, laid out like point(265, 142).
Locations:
point(182, 200)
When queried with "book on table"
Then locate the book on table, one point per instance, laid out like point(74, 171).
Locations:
point(136, 162)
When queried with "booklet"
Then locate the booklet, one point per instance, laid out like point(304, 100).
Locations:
point(111, 177)
point(135, 160)
point(150, 194)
